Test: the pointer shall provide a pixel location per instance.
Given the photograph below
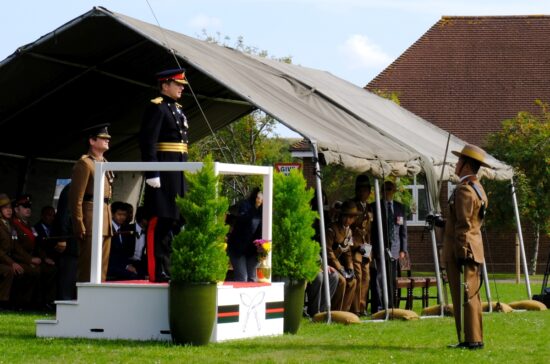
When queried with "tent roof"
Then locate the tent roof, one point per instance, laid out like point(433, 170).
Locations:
point(99, 68)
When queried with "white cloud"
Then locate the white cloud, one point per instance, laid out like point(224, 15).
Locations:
point(205, 22)
point(360, 52)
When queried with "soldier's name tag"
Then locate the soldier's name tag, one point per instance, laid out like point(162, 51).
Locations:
point(399, 220)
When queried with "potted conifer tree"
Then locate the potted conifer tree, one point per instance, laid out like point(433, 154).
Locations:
point(295, 254)
point(199, 259)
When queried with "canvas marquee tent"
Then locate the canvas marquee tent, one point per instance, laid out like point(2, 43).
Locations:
point(99, 68)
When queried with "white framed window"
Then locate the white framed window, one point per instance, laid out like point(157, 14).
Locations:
point(419, 206)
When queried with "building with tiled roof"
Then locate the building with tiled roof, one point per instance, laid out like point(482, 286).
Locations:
point(468, 73)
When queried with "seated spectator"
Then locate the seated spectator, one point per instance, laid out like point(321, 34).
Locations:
point(316, 301)
point(339, 242)
point(120, 267)
point(43, 229)
point(20, 272)
point(27, 238)
point(129, 213)
point(136, 243)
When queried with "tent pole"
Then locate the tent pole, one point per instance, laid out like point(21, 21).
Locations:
point(487, 289)
point(382, 259)
point(322, 228)
point(437, 273)
point(520, 235)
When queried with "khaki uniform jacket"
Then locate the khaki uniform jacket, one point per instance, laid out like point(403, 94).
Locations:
point(463, 227)
point(361, 228)
point(10, 250)
point(82, 183)
point(338, 254)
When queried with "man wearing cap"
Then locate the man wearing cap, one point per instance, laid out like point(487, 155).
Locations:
point(81, 201)
point(394, 231)
point(28, 239)
point(18, 270)
point(361, 250)
point(163, 138)
point(339, 242)
point(463, 245)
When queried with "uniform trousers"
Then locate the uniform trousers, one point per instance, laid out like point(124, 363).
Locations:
point(85, 258)
point(344, 295)
point(473, 329)
point(362, 275)
point(6, 280)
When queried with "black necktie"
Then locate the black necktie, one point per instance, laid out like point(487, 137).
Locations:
point(391, 221)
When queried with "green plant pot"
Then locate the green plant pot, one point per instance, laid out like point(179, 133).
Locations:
point(294, 305)
point(192, 309)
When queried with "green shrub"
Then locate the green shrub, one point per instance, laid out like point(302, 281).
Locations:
point(199, 250)
point(295, 254)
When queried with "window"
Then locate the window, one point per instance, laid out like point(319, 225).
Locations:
point(419, 206)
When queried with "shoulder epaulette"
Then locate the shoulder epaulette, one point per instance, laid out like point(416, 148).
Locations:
point(178, 105)
point(157, 100)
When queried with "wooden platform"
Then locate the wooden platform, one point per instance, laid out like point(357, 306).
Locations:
point(138, 310)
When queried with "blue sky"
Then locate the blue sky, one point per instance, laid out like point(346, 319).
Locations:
point(353, 39)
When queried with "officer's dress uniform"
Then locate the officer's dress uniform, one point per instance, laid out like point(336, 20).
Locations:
point(361, 265)
point(81, 205)
point(463, 242)
point(338, 242)
point(163, 138)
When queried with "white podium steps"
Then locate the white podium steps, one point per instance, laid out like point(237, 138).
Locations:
point(139, 311)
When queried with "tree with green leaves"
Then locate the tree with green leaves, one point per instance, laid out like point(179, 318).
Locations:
point(523, 143)
point(295, 254)
point(199, 250)
point(249, 140)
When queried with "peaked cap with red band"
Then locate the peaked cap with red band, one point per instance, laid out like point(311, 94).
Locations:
point(176, 75)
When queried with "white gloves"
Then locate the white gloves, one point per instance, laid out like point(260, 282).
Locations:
point(153, 182)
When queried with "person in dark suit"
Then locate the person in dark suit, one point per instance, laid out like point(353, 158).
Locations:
point(43, 230)
point(137, 243)
point(120, 267)
point(394, 225)
point(463, 245)
point(163, 138)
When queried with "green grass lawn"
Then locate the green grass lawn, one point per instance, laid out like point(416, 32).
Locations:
point(521, 337)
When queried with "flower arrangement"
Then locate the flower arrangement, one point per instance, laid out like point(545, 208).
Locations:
point(263, 246)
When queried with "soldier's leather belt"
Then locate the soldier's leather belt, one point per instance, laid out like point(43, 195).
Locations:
point(171, 147)
point(90, 198)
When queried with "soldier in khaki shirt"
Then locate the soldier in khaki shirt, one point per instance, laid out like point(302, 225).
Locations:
point(339, 243)
point(361, 250)
point(463, 245)
point(81, 202)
